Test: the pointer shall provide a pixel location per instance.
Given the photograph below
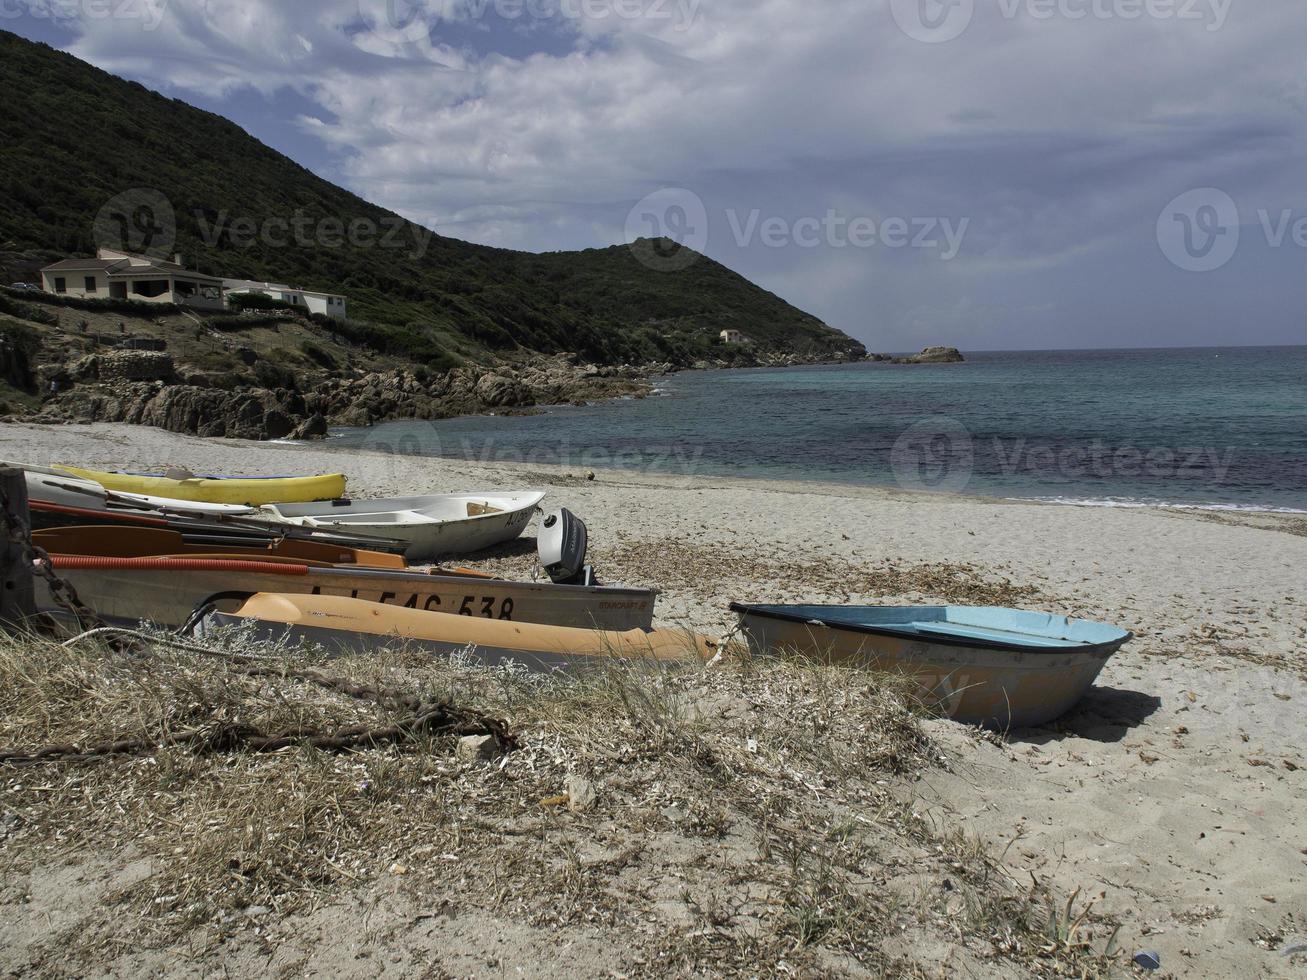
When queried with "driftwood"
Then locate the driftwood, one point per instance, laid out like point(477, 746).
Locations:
point(435, 718)
point(426, 718)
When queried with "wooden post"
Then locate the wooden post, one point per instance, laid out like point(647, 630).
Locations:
point(17, 587)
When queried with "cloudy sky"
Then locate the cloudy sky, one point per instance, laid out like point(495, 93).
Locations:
point(993, 174)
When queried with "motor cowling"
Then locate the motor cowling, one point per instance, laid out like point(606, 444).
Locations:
point(562, 543)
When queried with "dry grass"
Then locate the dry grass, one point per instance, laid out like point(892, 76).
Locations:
point(679, 564)
point(749, 818)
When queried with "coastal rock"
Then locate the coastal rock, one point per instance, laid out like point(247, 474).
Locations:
point(277, 424)
point(931, 355)
point(497, 391)
point(315, 427)
point(356, 416)
point(250, 414)
point(80, 369)
point(934, 355)
point(122, 387)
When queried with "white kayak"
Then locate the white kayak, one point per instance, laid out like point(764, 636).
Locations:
point(436, 526)
point(70, 491)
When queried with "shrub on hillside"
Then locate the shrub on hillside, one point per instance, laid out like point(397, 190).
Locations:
point(127, 306)
point(228, 323)
point(318, 356)
point(272, 375)
point(18, 347)
point(26, 311)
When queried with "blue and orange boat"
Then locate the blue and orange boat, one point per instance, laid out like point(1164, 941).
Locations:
point(1001, 668)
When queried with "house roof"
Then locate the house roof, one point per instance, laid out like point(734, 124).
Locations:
point(129, 268)
point(245, 285)
point(78, 265)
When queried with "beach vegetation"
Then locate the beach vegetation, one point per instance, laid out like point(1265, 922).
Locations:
point(742, 817)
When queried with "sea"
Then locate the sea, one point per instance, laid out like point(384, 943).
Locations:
point(1208, 428)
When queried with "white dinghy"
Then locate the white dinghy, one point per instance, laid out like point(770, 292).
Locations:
point(436, 526)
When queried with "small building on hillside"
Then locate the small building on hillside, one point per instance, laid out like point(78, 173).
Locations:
point(328, 304)
point(123, 275)
point(734, 337)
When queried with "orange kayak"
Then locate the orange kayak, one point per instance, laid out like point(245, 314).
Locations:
point(342, 625)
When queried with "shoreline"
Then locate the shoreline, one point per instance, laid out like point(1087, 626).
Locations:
point(831, 488)
point(1174, 789)
point(624, 446)
point(827, 486)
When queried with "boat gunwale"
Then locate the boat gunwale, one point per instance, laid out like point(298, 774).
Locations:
point(1107, 647)
point(412, 576)
point(324, 520)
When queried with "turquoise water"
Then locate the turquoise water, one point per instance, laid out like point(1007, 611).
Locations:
point(1202, 427)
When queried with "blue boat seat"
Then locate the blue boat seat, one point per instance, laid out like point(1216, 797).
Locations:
point(1006, 637)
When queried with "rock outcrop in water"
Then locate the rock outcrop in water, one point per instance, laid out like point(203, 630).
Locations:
point(935, 355)
point(931, 355)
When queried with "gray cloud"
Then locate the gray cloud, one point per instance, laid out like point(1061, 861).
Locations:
point(1058, 139)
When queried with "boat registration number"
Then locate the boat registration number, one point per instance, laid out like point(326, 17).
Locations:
point(483, 607)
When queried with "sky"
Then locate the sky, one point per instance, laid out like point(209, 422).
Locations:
point(988, 174)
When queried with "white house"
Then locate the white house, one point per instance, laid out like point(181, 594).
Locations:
point(328, 304)
point(123, 275)
point(734, 337)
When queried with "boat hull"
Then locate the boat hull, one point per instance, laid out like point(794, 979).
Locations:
point(80, 494)
point(167, 594)
point(246, 491)
point(112, 542)
point(432, 533)
point(975, 685)
point(345, 626)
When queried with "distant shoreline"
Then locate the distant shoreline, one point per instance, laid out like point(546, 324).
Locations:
point(780, 483)
point(827, 427)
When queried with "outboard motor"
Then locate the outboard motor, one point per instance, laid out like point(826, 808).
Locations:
point(562, 543)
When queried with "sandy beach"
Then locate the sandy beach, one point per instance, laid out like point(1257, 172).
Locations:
point(1174, 790)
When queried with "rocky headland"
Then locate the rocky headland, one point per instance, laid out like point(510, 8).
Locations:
point(248, 378)
point(147, 388)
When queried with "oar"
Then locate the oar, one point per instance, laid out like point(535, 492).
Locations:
point(178, 517)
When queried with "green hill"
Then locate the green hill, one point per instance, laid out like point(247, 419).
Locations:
point(73, 138)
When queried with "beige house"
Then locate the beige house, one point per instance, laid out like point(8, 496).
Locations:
point(328, 304)
point(734, 337)
point(122, 275)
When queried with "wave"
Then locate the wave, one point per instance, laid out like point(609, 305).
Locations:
point(1138, 504)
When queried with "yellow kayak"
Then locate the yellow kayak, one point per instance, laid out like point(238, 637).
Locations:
point(250, 491)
